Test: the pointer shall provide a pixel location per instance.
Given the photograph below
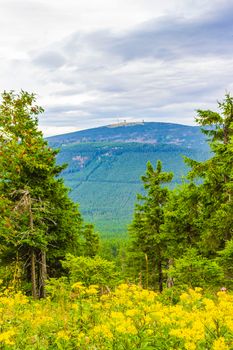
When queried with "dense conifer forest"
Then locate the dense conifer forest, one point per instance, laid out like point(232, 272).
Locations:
point(166, 285)
point(105, 165)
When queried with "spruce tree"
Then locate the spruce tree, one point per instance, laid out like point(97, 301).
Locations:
point(39, 223)
point(148, 237)
point(216, 189)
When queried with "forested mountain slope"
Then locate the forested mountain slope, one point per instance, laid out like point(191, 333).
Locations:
point(105, 165)
point(152, 132)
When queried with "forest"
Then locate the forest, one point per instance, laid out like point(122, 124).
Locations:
point(108, 200)
point(166, 285)
point(94, 157)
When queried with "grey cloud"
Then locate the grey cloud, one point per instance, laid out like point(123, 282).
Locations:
point(68, 108)
point(50, 60)
point(176, 37)
point(163, 70)
point(165, 38)
point(69, 92)
point(174, 95)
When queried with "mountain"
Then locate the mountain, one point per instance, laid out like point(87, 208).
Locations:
point(105, 165)
point(154, 133)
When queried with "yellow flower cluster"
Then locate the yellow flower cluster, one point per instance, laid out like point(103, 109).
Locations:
point(219, 344)
point(128, 318)
point(6, 337)
point(63, 335)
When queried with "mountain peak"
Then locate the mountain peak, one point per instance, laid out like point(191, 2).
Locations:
point(124, 123)
point(140, 132)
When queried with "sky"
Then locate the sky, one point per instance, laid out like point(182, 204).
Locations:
point(97, 62)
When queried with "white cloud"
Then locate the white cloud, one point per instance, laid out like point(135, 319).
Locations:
point(91, 62)
point(56, 130)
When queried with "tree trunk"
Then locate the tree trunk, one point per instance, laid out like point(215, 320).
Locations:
point(225, 134)
point(33, 256)
point(33, 275)
point(147, 271)
point(43, 274)
point(170, 282)
point(160, 273)
point(140, 279)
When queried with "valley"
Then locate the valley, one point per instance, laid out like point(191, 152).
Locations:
point(105, 165)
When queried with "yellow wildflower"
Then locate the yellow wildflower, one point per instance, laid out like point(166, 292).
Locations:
point(5, 337)
point(63, 335)
point(132, 312)
point(78, 286)
point(126, 327)
point(190, 346)
point(219, 344)
point(102, 330)
point(92, 290)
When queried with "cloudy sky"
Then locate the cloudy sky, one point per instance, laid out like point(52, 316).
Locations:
point(94, 62)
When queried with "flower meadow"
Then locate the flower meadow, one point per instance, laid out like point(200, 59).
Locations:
point(127, 318)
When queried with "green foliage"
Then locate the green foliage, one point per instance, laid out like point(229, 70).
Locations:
point(91, 241)
point(216, 189)
point(194, 270)
point(115, 249)
point(104, 177)
point(91, 270)
point(39, 222)
point(182, 236)
point(182, 219)
point(58, 288)
point(197, 217)
point(226, 261)
point(146, 231)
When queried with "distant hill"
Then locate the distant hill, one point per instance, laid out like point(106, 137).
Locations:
point(154, 133)
point(105, 165)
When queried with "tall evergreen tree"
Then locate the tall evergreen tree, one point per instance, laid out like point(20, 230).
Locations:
point(148, 236)
point(39, 223)
point(182, 219)
point(216, 214)
point(91, 242)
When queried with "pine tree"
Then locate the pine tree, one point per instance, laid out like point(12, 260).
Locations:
point(216, 189)
point(148, 236)
point(39, 223)
point(91, 241)
point(182, 221)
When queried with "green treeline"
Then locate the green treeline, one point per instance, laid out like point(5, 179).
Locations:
point(186, 234)
point(39, 224)
point(177, 238)
point(104, 177)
